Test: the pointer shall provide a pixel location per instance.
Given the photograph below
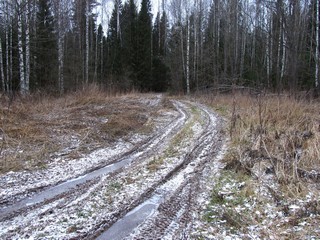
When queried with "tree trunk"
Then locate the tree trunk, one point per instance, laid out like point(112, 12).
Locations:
point(195, 26)
point(11, 59)
point(278, 56)
point(317, 47)
point(96, 59)
point(237, 41)
point(182, 51)
point(283, 61)
point(3, 81)
point(269, 48)
point(60, 47)
point(27, 76)
point(23, 87)
point(188, 56)
point(8, 78)
point(87, 44)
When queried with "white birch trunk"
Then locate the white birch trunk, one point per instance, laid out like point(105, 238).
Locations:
point(23, 89)
point(188, 56)
point(7, 49)
point(278, 53)
point(317, 47)
point(11, 59)
point(243, 53)
point(27, 76)
point(270, 48)
point(87, 43)
point(101, 43)
point(7, 59)
point(218, 30)
point(283, 61)
point(182, 51)
point(96, 59)
point(118, 19)
point(60, 47)
point(61, 63)
point(236, 48)
point(195, 58)
point(3, 81)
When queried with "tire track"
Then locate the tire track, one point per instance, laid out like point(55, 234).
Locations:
point(174, 203)
point(175, 197)
point(73, 188)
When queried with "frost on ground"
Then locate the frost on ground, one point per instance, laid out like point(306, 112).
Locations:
point(242, 207)
point(172, 164)
point(80, 212)
point(73, 160)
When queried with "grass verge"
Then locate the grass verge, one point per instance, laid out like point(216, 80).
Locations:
point(278, 129)
point(35, 129)
point(274, 140)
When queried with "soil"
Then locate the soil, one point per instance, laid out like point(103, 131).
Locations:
point(146, 184)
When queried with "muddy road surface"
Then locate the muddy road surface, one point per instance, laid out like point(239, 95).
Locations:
point(145, 187)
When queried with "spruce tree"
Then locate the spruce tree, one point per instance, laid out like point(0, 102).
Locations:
point(160, 72)
point(45, 50)
point(144, 53)
point(115, 67)
point(129, 38)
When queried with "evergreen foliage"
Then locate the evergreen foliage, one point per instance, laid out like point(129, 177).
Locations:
point(45, 54)
point(272, 45)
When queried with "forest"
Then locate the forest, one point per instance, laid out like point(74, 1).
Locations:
point(59, 45)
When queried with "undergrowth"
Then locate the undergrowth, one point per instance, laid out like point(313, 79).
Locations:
point(274, 141)
point(278, 129)
point(34, 129)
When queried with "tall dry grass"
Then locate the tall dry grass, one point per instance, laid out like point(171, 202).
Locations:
point(35, 128)
point(278, 129)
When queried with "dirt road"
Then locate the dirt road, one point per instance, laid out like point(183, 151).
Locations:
point(147, 187)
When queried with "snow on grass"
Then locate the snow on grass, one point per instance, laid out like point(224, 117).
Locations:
point(241, 207)
point(61, 169)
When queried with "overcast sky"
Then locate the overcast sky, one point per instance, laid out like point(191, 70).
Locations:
point(109, 5)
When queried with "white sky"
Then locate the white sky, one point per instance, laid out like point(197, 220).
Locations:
point(109, 5)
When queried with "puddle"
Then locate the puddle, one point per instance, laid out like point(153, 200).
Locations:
point(64, 187)
point(52, 192)
point(132, 219)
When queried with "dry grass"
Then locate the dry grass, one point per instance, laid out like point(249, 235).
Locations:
point(275, 142)
point(36, 128)
point(280, 129)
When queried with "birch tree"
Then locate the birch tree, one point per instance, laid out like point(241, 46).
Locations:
point(60, 8)
point(27, 21)
point(61, 47)
point(188, 50)
point(87, 44)
point(3, 81)
point(8, 28)
point(4, 74)
point(317, 47)
point(23, 86)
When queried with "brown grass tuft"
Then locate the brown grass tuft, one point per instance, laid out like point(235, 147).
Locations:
point(280, 129)
point(34, 129)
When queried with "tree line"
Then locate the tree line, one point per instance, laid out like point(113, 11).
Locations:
point(58, 45)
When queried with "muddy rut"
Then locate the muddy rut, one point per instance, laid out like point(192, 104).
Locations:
point(150, 191)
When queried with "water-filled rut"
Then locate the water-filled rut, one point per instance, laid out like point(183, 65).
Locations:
point(156, 181)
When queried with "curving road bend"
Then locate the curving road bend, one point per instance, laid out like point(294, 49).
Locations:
point(150, 191)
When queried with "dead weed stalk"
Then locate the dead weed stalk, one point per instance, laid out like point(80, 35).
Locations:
point(278, 129)
point(36, 127)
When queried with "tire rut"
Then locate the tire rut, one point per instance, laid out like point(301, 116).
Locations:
point(174, 210)
point(177, 208)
